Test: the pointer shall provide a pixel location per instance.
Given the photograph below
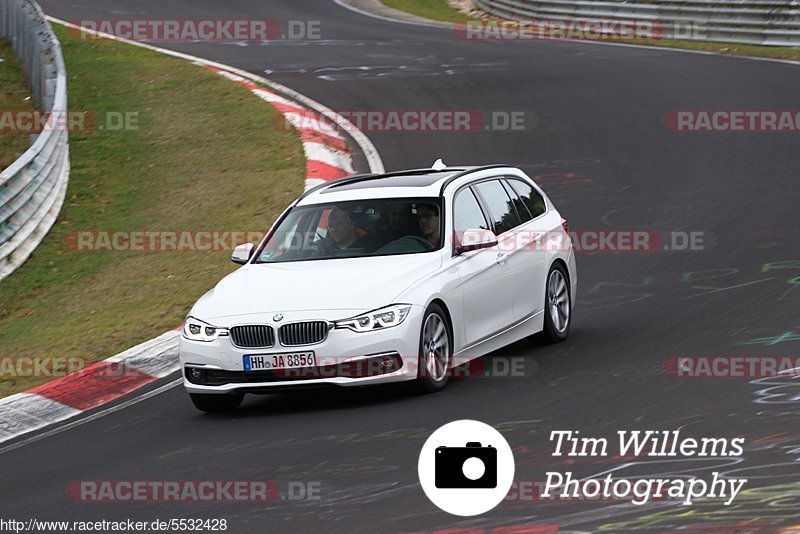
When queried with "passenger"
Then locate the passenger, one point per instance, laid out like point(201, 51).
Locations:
point(428, 220)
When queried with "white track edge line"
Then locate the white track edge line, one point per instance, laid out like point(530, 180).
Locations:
point(98, 415)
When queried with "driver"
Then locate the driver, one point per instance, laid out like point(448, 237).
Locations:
point(343, 233)
point(341, 229)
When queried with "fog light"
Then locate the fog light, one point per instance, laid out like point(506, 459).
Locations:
point(195, 375)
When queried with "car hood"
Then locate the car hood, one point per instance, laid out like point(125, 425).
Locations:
point(358, 284)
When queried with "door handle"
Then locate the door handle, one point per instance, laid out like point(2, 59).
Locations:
point(537, 241)
point(501, 258)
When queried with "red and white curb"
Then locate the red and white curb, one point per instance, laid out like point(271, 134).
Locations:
point(89, 388)
point(327, 157)
point(296, 107)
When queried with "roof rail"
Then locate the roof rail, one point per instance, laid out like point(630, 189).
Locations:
point(461, 174)
point(344, 180)
point(371, 176)
point(365, 177)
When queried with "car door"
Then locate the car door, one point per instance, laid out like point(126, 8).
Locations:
point(486, 299)
point(529, 261)
point(519, 279)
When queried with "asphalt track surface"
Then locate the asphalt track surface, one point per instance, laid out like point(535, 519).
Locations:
point(596, 140)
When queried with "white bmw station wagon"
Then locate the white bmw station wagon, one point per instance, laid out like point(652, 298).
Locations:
point(381, 278)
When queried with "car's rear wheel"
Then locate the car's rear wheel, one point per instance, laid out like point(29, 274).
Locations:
point(435, 350)
point(226, 402)
point(557, 305)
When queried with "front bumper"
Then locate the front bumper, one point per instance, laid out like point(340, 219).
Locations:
point(344, 358)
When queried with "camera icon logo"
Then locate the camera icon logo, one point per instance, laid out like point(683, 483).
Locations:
point(472, 466)
point(466, 467)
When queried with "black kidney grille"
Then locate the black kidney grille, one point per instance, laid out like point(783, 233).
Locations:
point(252, 336)
point(306, 333)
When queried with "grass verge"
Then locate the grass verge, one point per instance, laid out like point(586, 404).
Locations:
point(204, 156)
point(442, 11)
point(430, 9)
point(14, 96)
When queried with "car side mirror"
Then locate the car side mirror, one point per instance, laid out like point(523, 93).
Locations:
point(474, 239)
point(242, 253)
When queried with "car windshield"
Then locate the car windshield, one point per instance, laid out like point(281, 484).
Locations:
point(357, 228)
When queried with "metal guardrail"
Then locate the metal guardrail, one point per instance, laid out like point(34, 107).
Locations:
point(32, 189)
point(759, 22)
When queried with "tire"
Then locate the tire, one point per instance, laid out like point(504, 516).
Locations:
point(435, 351)
point(557, 305)
point(210, 403)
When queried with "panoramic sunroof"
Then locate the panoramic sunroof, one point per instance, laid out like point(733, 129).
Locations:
point(408, 180)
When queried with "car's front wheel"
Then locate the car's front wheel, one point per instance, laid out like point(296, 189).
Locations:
point(216, 403)
point(557, 306)
point(435, 350)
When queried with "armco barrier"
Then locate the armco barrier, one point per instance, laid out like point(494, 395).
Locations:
point(759, 22)
point(32, 189)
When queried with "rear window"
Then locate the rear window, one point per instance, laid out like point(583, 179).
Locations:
point(530, 197)
point(501, 207)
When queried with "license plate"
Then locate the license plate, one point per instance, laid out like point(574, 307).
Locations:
point(268, 362)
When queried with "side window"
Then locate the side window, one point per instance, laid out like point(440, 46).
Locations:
point(501, 208)
point(530, 197)
point(522, 210)
point(467, 212)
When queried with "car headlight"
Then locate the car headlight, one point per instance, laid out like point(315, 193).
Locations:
point(198, 330)
point(375, 320)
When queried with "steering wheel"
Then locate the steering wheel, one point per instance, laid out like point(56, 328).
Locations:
point(405, 245)
point(422, 241)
